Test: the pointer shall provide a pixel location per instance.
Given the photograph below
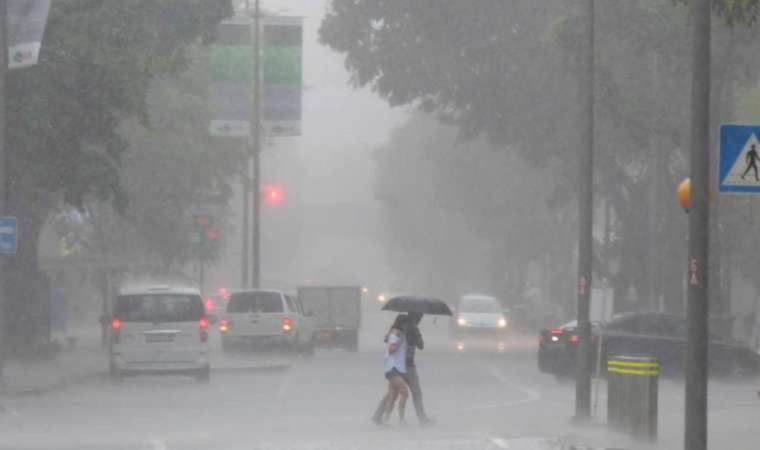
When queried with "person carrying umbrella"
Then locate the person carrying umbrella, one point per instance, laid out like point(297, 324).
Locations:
point(414, 341)
point(415, 307)
point(395, 369)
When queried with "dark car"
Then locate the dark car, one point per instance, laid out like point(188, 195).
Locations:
point(556, 348)
point(658, 335)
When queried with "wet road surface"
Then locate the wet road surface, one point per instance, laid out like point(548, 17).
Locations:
point(482, 401)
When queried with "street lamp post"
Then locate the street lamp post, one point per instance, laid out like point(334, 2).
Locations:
point(3, 165)
point(251, 254)
point(695, 426)
point(256, 150)
point(585, 223)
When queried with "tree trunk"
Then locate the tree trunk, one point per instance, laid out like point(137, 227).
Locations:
point(27, 310)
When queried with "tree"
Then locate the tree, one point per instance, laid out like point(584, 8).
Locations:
point(96, 66)
point(508, 70)
point(461, 218)
point(170, 169)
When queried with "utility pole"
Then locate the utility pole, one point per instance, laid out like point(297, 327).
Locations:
point(256, 150)
point(585, 220)
point(695, 428)
point(246, 194)
point(3, 167)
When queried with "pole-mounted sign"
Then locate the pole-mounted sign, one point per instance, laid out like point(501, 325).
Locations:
point(739, 158)
point(26, 27)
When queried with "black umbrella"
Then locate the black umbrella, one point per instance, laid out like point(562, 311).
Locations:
point(423, 305)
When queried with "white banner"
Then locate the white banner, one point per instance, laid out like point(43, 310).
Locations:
point(26, 27)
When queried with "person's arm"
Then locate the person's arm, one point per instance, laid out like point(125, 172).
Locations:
point(394, 342)
point(416, 337)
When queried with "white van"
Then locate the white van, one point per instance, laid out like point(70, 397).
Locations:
point(480, 320)
point(159, 330)
point(266, 317)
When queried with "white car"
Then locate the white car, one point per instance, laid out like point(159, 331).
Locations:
point(266, 317)
point(480, 320)
point(159, 330)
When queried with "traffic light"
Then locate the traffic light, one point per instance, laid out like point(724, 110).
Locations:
point(273, 195)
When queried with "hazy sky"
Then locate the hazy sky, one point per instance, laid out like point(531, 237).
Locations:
point(341, 126)
point(330, 163)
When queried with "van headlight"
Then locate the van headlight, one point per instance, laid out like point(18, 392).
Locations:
point(462, 322)
point(502, 323)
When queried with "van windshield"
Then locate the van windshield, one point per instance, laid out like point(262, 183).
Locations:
point(262, 302)
point(480, 305)
point(159, 308)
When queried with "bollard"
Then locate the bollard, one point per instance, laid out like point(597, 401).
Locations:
point(632, 395)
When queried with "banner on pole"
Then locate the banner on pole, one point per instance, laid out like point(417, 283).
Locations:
point(26, 27)
point(282, 75)
point(232, 70)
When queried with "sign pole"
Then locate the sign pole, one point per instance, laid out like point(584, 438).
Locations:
point(3, 167)
point(695, 429)
point(585, 223)
point(256, 150)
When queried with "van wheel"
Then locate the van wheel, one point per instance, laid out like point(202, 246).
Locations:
point(295, 347)
point(203, 375)
point(309, 349)
point(351, 342)
point(115, 375)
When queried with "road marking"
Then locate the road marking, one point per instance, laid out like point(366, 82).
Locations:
point(285, 385)
point(530, 395)
point(499, 442)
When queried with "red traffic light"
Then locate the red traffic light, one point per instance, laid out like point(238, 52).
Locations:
point(212, 234)
point(273, 195)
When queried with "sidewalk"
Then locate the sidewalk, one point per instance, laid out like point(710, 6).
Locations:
point(87, 360)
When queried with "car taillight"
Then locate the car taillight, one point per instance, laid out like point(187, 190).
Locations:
point(203, 325)
point(574, 339)
point(208, 304)
point(287, 325)
point(224, 325)
point(115, 330)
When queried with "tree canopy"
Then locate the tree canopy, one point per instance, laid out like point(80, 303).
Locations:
point(98, 60)
point(509, 71)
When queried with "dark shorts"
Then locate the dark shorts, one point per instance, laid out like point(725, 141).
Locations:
point(393, 373)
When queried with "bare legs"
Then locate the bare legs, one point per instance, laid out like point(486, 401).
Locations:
point(397, 389)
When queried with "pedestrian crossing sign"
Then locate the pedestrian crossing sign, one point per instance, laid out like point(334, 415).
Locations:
point(739, 159)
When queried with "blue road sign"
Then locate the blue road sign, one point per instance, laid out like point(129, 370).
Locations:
point(8, 235)
point(739, 159)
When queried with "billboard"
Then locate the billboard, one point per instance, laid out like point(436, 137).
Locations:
point(282, 75)
point(230, 89)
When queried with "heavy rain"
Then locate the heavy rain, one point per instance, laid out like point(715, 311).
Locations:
point(379, 224)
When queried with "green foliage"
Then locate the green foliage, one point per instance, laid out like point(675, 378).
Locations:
point(488, 69)
point(64, 142)
point(438, 189)
point(97, 62)
point(170, 169)
point(734, 11)
point(510, 71)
